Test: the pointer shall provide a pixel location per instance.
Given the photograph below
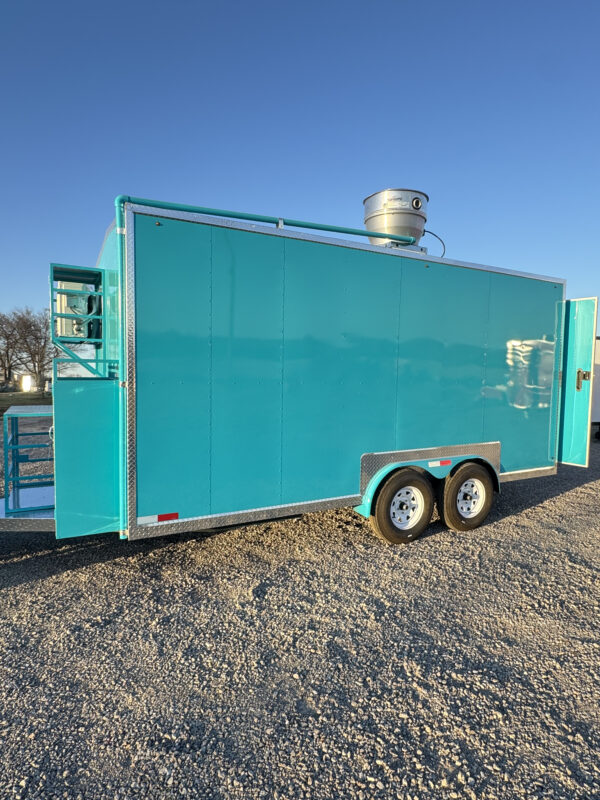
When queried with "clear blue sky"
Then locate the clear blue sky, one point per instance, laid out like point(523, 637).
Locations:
point(301, 110)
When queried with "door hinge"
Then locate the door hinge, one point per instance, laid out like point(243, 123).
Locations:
point(582, 375)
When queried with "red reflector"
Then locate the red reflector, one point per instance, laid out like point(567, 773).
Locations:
point(446, 462)
point(164, 517)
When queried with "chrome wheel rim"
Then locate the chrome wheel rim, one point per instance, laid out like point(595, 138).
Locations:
point(407, 507)
point(470, 498)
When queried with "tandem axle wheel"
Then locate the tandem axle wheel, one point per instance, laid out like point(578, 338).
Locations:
point(404, 505)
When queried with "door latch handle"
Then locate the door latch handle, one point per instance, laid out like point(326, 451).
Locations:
point(582, 375)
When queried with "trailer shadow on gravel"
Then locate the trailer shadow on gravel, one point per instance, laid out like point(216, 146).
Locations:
point(29, 557)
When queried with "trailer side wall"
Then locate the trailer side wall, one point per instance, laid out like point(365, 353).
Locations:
point(267, 365)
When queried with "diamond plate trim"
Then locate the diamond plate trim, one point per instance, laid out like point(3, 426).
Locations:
point(130, 360)
point(371, 463)
point(522, 474)
point(195, 524)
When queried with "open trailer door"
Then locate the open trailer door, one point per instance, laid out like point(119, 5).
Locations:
point(577, 378)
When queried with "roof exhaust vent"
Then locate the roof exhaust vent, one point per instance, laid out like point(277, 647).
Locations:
point(402, 212)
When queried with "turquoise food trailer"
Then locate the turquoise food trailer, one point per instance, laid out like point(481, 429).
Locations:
point(220, 368)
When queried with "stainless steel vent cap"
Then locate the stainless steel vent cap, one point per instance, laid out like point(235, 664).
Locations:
point(402, 212)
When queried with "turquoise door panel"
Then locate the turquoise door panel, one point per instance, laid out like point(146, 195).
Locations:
point(478, 361)
point(521, 373)
point(247, 353)
point(209, 344)
point(173, 364)
point(578, 365)
point(86, 462)
point(441, 355)
point(341, 315)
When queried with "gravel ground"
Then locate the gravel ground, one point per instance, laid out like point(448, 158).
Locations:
point(306, 659)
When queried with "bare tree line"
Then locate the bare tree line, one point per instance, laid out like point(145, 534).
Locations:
point(25, 345)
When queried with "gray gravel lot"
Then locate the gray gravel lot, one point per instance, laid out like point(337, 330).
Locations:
point(306, 659)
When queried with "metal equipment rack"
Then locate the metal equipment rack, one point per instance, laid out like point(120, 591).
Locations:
point(27, 493)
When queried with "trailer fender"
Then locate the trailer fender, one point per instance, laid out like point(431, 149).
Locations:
point(438, 470)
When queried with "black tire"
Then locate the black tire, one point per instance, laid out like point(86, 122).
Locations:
point(449, 510)
point(388, 506)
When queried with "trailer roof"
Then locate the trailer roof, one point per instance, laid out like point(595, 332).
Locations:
point(255, 223)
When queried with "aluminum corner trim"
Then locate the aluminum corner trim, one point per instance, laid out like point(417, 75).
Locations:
point(130, 450)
